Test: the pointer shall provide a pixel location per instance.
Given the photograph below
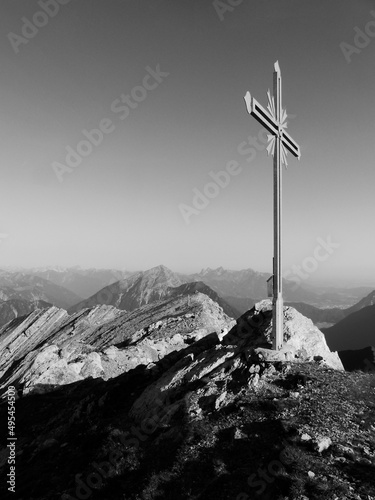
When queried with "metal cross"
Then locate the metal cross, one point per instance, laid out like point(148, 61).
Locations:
point(279, 143)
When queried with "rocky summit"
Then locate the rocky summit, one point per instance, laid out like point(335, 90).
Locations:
point(178, 400)
point(51, 348)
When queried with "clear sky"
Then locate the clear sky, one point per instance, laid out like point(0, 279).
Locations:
point(121, 206)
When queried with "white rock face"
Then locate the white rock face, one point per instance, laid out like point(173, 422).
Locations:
point(81, 346)
point(48, 369)
point(55, 349)
point(243, 350)
point(303, 341)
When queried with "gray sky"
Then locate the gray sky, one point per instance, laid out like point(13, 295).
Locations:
point(121, 205)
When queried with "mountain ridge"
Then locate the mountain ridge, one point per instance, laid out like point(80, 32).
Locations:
point(149, 286)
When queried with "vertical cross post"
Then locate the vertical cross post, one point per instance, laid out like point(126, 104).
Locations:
point(279, 142)
point(277, 303)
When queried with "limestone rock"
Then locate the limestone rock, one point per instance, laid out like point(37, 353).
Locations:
point(303, 341)
point(321, 444)
point(105, 342)
point(22, 335)
point(239, 360)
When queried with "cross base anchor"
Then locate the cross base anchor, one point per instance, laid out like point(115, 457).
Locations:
point(277, 323)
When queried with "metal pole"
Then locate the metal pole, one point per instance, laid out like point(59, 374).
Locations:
point(277, 306)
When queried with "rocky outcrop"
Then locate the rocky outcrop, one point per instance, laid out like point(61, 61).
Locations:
point(184, 339)
point(105, 342)
point(14, 308)
point(23, 335)
point(23, 342)
point(240, 357)
point(303, 341)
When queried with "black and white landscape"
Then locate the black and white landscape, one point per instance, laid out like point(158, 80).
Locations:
point(187, 274)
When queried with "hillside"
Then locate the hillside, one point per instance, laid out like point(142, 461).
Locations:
point(369, 300)
point(199, 286)
point(82, 282)
point(13, 308)
point(249, 283)
point(240, 304)
point(356, 331)
point(330, 316)
point(320, 317)
point(359, 359)
point(223, 417)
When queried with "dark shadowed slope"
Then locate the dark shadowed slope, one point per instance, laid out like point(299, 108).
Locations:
point(359, 359)
point(356, 331)
point(331, 315)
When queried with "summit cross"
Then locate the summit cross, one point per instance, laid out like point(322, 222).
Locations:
point(279, 143)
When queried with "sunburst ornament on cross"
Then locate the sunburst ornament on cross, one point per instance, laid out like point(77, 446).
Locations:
point(274, 119)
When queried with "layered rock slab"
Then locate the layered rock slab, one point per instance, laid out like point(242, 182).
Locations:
point(105, 342)
point(236, 359)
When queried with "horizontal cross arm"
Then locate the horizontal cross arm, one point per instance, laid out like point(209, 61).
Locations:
point(290, 144)
point(261, 114)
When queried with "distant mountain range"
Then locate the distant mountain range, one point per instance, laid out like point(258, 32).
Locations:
point(239, 289)
point(147, 287)
point(29, 288)
point(82, 282)
point(235, 291)
point(14, 308)
point(243, 284)
point(135, 291)
point(251, 285)
point(331, 315)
